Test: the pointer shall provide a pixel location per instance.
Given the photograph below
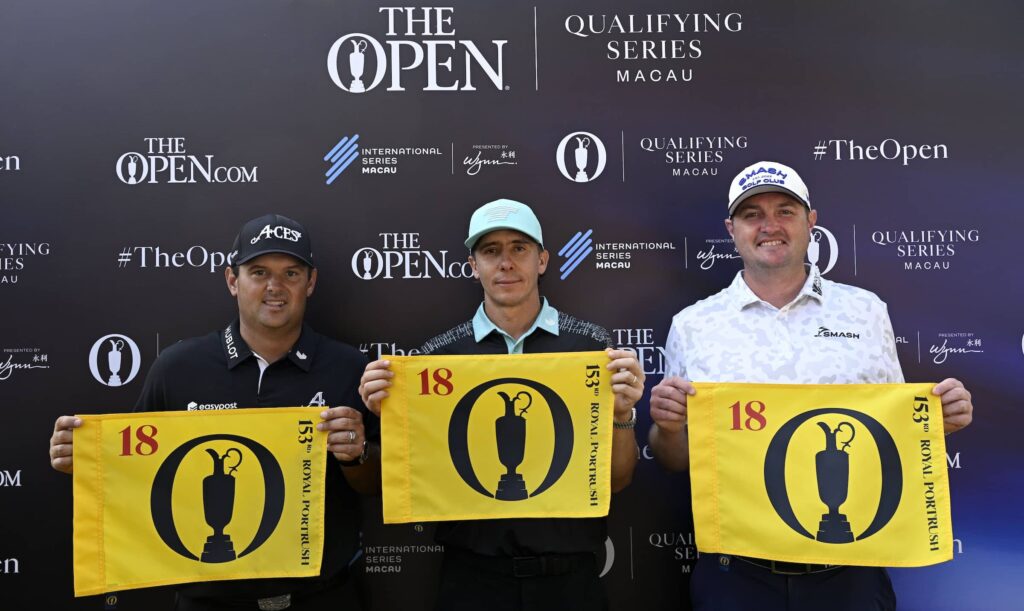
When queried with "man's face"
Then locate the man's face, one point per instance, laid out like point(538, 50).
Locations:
point(508, 264)
point(271, 291)
point(771, 231)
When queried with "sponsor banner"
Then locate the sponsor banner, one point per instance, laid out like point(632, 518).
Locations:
point(658, 48)
point(497, 436)
point(954, 345)
point(174, 497)
point(641, 341)
point(925, 249)
point(15, 360)
point(372, 158)
point(607, 255)
point(689, 156)
point(487, 158)
point(415, 48)
point(167, 160)
point(155, 257)
point(14, 256)
point(10, 163)
point(376, 350)
point(826, 474)
point(109, 354)
point(581, 157)
point(401, 255)
point(890, 149)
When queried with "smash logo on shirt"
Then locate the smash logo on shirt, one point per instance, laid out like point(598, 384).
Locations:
point(826, 332)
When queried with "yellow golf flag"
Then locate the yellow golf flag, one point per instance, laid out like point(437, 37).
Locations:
point(825, 474)
point(174, 497)
point(497, 436)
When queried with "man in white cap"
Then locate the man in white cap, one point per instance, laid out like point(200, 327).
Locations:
point(539, 563)
point(762, 329)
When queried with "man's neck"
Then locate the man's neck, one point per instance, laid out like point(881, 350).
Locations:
point(271, 344)
point(514, 320)
point(777, 287)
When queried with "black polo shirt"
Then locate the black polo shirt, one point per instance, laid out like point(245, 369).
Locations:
point(220, 371)
point(524, 536)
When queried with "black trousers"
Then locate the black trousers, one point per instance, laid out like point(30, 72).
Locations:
point(470, 582)
point(339, 596)
point(735, 585)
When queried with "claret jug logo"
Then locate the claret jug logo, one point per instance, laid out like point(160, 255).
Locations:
point(116, 347)
point(416, 38)
point(855, 448)
point(819, 236)
point(532, 437)
point(588, 157)
point(231, 471)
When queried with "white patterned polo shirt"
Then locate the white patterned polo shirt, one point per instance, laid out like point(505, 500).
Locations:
point(831, 333)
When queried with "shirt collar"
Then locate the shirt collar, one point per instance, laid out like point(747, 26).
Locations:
point(546, 320)
point(237, 351)
point(743, 296)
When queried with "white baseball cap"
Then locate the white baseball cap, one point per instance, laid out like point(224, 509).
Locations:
point(767, 177)
point(503, 214)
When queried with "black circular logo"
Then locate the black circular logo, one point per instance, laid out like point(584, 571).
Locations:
point(889, 457)
point(510, 435)
point(218, 498)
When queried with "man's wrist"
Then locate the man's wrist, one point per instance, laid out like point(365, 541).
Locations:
point(625, 424)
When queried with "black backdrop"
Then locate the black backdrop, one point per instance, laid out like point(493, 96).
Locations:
point(902, 117)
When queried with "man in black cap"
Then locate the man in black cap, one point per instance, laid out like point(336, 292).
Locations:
point(269, 358)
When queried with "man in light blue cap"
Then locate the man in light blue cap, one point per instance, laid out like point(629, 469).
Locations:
point(539, 563)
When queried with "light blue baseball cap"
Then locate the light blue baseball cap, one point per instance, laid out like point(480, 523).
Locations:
point(503, 214)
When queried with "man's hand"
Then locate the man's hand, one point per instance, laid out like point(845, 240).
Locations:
point(627, 382)
point(957, 409)
point(60, 443)
point(345, 432)
point(668, 403)
point(374, 384)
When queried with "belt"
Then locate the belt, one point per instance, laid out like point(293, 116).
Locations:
point(526, 566)
point(788, 568)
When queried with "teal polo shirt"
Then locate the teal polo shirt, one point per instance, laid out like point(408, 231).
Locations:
point(546, 320)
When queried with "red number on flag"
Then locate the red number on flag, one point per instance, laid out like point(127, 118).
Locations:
point(755, 415)
point(442, 383)
point(145, 434)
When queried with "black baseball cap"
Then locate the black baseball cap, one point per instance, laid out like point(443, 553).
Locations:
point(272, 233)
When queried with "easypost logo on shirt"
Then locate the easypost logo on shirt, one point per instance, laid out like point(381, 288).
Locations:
point(195, 407)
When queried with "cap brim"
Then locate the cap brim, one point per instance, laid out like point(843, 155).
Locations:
point(473, 239)
point(269, 251)
point(765, 189)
